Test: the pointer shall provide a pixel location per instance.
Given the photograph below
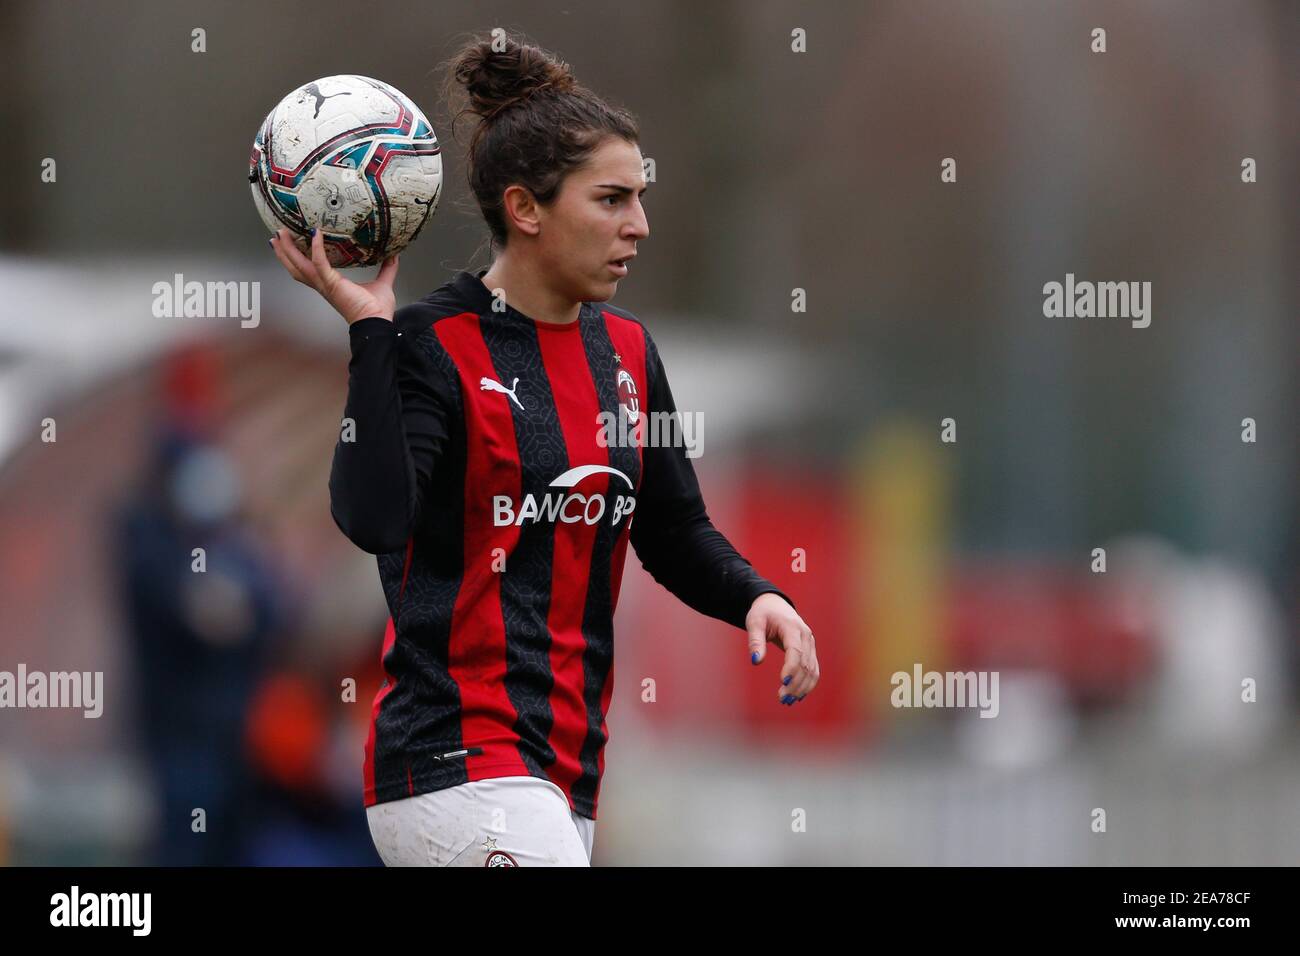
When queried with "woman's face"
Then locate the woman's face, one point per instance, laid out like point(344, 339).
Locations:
point(595, 219)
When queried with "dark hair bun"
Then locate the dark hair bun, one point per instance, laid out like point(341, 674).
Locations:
point(534, 123)
point(498, 78)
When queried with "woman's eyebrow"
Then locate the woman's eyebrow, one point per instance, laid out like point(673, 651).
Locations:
point(622, 189)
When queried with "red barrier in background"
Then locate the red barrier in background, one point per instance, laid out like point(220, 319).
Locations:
point(1000, 615)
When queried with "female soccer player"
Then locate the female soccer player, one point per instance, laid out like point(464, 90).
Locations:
point(479, 470)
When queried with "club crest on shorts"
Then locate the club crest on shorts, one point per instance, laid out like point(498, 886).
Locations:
point(496, 857)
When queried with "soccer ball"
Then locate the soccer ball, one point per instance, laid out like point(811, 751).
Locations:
point(352, 157)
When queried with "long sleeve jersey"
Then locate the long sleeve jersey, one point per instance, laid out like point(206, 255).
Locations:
point(475, 463)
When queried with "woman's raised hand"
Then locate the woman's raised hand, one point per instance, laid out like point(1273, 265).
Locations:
point(352, 300)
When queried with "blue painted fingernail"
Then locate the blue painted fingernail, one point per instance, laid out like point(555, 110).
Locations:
point(753, 658)
point(787, 680)
point(313, 232)
point(787, 700)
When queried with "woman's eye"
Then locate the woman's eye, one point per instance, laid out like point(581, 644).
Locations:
point(613, 197)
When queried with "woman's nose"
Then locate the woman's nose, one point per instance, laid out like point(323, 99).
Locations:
point(638, 227)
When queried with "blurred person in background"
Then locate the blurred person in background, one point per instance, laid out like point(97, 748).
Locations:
point(199, 625)
point(304, 761)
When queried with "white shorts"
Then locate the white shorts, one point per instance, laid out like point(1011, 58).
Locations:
point(503, 821)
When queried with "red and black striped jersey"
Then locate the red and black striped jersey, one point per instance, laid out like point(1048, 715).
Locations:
point(475, 462)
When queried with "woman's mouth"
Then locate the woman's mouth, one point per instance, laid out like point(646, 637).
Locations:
point(619, 266)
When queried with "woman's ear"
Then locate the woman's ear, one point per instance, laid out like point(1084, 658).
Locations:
point(522, 210)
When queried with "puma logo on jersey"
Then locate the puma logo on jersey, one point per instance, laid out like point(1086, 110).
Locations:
point(492, 385)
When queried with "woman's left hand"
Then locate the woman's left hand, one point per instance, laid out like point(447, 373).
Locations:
point(772, 620)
